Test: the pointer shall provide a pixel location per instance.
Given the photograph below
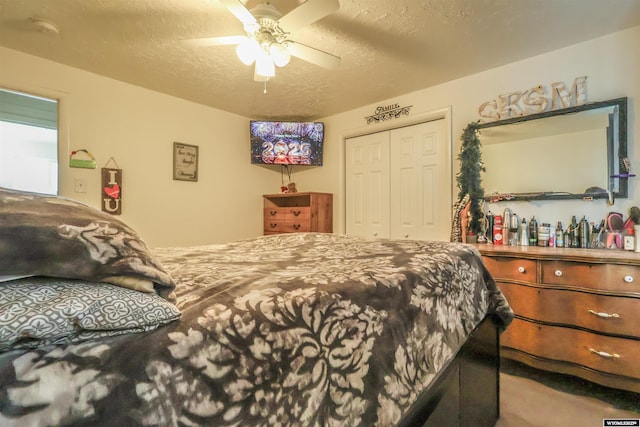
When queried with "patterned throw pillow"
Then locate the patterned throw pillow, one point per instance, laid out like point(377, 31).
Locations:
point(58, 237)
point(37, 311)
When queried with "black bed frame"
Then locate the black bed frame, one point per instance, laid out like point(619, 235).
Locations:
point(467, 393)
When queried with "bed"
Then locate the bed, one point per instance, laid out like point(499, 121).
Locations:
point(304, 329)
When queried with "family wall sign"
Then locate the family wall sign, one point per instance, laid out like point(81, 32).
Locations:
point(388, 112)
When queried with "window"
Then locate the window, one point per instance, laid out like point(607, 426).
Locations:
point(28, 142)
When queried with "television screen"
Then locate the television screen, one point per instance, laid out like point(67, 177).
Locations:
point(286, 143)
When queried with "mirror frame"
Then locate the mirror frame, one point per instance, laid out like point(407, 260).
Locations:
point(621, 169)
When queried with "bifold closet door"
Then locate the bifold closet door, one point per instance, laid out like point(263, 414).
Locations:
point(398, 183)
point(367, 185)
point(420, 196)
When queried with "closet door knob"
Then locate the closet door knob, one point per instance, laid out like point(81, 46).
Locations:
point(558, 273)
point(521, 269)
point(628, 279)
point(406, 236)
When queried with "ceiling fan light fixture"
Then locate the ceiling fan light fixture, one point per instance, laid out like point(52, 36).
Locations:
point(279, 54)
point(248, 51)
point(265, 66)
point(267, 44)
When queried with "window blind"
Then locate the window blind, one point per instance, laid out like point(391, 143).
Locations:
point(28, 110)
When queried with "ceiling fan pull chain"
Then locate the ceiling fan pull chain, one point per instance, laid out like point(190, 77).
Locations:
point(265, 86)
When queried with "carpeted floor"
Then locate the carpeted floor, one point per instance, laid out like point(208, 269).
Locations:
point(533, 398)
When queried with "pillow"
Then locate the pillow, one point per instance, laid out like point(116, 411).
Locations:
point(38, 311)
point(53, 236)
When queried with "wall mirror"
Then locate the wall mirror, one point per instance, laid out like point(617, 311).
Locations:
point(571, 153)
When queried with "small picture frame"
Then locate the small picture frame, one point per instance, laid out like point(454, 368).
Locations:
point(185, 162)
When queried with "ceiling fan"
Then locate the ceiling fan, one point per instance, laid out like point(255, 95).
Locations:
point(267, 42)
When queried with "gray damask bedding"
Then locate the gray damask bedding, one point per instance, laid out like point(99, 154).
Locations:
point(54, 236)
point(295, 330)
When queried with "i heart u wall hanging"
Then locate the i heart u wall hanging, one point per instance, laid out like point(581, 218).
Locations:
point(112, 189)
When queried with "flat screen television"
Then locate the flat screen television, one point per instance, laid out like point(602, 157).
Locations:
point(286, 143)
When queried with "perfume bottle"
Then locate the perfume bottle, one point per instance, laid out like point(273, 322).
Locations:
point(533, 232)
point(524, 234)
point(559, 235)
point(574, 232)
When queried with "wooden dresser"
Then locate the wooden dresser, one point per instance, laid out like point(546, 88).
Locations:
point(298, 212)
point(577, 310)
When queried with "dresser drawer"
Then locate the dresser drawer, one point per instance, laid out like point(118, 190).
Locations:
point(504, 268)
point(286, 226)
point(287, 213)
point(605, 277)
point(612, 355)
point(606, 314)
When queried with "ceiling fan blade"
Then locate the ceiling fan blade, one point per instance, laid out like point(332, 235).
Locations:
point(215, 41)
point(314, 56)
point(240, 11)
point(307, 13)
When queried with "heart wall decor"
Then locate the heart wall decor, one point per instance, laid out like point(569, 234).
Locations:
point(113, 192)
point(111, 197)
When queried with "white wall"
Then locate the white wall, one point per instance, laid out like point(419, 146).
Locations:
point(137, 127)
point(612, 69)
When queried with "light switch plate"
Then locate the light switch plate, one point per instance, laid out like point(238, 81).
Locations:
point(80, 185)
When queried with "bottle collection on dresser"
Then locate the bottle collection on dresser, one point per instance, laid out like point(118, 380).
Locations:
point(613, 232)
point(576, 301)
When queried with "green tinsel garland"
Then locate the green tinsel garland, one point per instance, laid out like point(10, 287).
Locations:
point(469, 181)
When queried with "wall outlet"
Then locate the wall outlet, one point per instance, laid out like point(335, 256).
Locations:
point(80, 185)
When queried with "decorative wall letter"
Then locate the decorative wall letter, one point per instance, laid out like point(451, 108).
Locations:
point(560, 95)
point(488, 111)
point(535, 101)
point(509, 105)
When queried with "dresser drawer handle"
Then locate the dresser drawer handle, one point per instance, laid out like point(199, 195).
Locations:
point(273, 225)
point(273, 212)
point(605, 354)
point(628, 279)
point(605, 315)
point(296, 226)
point(296, 213)
point(558, 273)
point(521, 270)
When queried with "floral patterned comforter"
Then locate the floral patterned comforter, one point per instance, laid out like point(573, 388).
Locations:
point(296, 330)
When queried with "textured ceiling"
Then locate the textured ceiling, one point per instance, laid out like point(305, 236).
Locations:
point(388, 47)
